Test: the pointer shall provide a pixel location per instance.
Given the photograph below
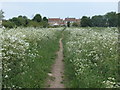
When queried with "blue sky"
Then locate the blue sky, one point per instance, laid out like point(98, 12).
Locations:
point(57, 9)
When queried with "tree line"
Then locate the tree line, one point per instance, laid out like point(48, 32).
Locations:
point(110, 19)
point(23, 21)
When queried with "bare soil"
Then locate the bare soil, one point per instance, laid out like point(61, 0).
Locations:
point(56, 76)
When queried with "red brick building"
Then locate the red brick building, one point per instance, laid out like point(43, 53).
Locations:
point(61, 22)
point(55, 21)
point(71, 20)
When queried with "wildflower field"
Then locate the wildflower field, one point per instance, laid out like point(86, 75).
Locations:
point(27, 55)
point(91, 59)
point(90, 56)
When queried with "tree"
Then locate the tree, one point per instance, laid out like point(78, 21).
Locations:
point(20, 21)
point(23, 20)
point(1, 15)
point(118, 21)
point(98, 21)
point(33, 24)
point(86, 21)
point(26, 21)
point(15, 21)
point(45, 19)
point(44, 24)
point(68, 24)
point(8, 24)
point(111, 18)
point(37, 18)
point(75, 24)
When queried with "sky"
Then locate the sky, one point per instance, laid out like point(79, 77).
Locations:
point(57, 9)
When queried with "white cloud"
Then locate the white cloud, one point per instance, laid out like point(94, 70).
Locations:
point(59, 0)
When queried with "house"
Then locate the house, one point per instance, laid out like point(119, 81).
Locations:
point(78, 21)
point(71, 20)
point(55, 21)
point(61, 22)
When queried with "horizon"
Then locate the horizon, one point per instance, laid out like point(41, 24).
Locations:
point(57, 9)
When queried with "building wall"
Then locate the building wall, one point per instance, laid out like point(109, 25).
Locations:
point(54, 21)
point(62, 22)
point(78, 21)
point(51, 23)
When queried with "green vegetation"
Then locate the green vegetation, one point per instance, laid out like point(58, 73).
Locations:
point(1, 14)
point(23, 21)
point(75, 24)
point(28, 54)
point(90, 56)
point(85, 21)
point(110, 19)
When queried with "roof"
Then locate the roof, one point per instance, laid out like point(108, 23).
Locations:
point(70, 19)
point(77, 20)
point(54, 19)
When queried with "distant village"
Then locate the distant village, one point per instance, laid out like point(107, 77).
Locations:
point(107, 20)
point(58, 21)
point(62, 22)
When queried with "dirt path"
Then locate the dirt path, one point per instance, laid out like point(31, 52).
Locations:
point(56, 76)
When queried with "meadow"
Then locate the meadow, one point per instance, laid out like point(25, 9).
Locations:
point(90, 56)
point(27, 56)
point(1, 30)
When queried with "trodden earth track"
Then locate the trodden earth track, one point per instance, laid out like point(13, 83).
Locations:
point(55, 79)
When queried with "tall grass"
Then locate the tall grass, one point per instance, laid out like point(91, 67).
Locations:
point(27, 55)
point(91, 57)
point(1, 31)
